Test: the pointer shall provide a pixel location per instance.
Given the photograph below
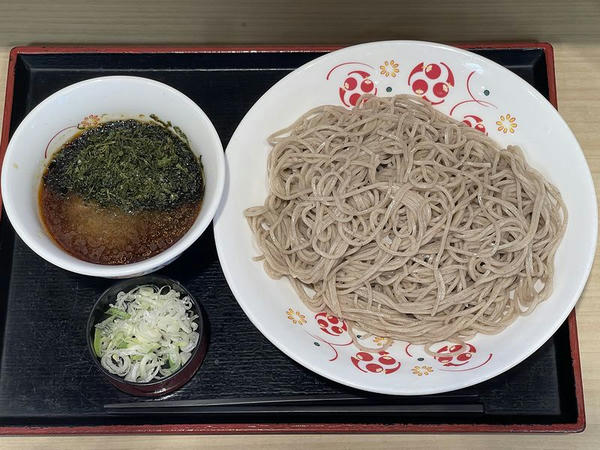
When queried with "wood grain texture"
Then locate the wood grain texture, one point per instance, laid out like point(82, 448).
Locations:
point(578, 77)
point(4, 51)
point(292, 21)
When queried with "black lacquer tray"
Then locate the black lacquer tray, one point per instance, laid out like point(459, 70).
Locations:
point(48, 384)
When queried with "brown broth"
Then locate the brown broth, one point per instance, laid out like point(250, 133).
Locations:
point(110, 235)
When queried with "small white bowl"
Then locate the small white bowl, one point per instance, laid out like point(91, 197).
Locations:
point(51, 123)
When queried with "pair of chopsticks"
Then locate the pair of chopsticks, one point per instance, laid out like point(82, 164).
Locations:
point(305, 404)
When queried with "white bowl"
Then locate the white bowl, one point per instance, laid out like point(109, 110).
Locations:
point(55, 120)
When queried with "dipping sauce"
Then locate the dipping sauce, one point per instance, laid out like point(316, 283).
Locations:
point(121, 192)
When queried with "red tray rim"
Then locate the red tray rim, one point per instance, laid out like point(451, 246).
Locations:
point(254, 428)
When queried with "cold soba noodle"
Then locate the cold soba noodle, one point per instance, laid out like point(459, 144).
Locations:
point(406, 223)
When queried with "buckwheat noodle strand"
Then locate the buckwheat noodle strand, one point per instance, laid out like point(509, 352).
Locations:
point(405, 223)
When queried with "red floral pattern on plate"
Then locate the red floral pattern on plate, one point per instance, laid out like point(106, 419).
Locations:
point(356, 82)
point(451, 356)
point(460, 354)
point(432, 81)
point(334, 334)
point(330, 324)
point(475, 122)
point(380, 362)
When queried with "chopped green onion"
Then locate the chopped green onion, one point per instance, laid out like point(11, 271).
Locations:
point(98, 342)
point(117, 312)
point(150, 334)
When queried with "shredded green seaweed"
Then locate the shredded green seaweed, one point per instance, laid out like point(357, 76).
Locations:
point(128, 164)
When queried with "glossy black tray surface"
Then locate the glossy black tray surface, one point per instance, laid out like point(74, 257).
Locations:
point(46, 376)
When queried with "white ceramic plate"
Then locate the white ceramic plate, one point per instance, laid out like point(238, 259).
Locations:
point(467, 87)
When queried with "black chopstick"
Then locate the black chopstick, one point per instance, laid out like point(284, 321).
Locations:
point(244, 401)
point(333, 403)
point(473, 408)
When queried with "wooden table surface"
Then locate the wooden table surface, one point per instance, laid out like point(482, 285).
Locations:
point(578, 80)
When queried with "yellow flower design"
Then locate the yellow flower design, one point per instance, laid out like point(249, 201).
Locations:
point(89, 121)
point(422, 370)
point(507, 124)
point(296, 317)
point(389, 68)
point(381, 341)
